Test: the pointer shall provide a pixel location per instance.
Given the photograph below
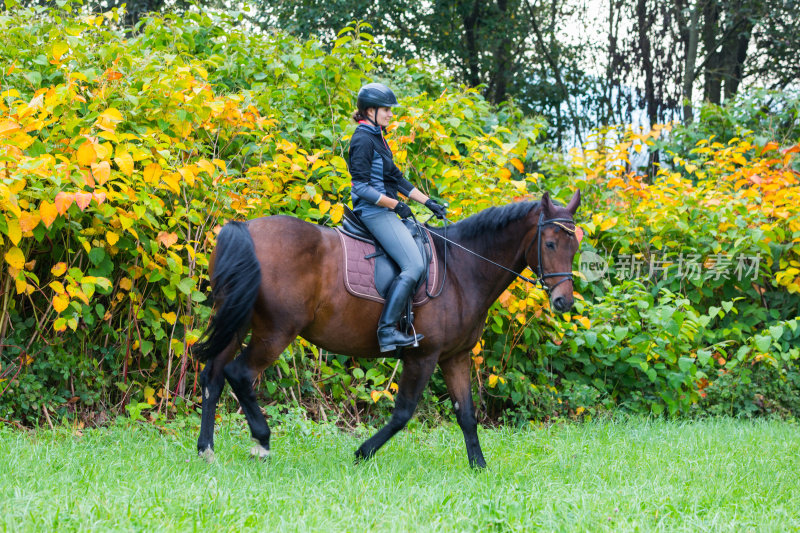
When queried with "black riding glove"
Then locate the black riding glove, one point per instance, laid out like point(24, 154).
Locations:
point(402, 210)
point(436, 208)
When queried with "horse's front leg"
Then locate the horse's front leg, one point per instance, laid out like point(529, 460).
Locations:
point(456, 371)
point(413, 380)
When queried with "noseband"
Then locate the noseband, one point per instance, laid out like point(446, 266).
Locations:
point(539, 270)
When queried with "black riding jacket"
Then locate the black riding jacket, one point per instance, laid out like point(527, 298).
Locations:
point(372, 169)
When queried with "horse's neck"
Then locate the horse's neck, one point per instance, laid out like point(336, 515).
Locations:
point(504, 248)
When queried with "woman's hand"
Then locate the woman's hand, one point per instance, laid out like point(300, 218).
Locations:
point(402, 210)
point(437, 209)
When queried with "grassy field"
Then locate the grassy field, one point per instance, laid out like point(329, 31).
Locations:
point(720, 475)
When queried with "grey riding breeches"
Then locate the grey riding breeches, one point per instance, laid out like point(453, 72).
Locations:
point(395, 238)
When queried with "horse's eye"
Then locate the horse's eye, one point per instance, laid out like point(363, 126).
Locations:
point(550, 245)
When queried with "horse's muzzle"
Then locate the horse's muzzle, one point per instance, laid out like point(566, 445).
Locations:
point(562, 304)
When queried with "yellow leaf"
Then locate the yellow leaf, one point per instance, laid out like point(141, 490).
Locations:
point(505, 173)
point(111, 115)
point(76, 292)
point(14, 232)
point(173, 181)
point(125, 163)
point(152, 173)
point(476, 349)
point(63, 201)
point(492, 383)
point(15, 258)
point(60, 302)
point(101, 171)
point(59, 49)
point(169, 317)
point(324, 206)
point(112, 238)
point(48, 212)
point(125, 284)
point(518, 164)
point(83, 199)
point(584, 321)
point(86, 153)
point(7, 127)
point(608, 223)
point(58, 287)
point(167, 239)
point(59, 269)
point(206, 165)
point(337, 211)
point(376, 395)
point(187, 175)
point(126, 222)
point(22, 286)
point(28, 221)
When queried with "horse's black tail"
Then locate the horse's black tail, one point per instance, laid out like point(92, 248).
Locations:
point(235, 284)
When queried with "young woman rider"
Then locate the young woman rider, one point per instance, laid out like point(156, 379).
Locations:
point(376, 180)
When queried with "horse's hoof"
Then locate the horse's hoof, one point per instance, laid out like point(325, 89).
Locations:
point(207, 455)
point(362, 455)
point(478, 466)
point(259, 452)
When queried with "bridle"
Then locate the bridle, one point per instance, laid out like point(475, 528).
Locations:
point(541, 276)
point(540, 270)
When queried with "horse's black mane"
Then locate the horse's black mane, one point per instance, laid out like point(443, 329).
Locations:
point(489, 221)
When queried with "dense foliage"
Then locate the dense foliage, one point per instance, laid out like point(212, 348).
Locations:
point(122, 155)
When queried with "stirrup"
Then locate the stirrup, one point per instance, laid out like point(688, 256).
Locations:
point(394, 343)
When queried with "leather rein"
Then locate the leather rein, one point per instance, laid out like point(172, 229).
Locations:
point(541, 275)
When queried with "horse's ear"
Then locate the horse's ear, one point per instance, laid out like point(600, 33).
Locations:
point(575, 202)
point(547, 204)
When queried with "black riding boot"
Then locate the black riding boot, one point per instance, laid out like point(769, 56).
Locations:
point(389, 337)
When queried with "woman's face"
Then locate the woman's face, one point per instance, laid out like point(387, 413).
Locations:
point(382, 116)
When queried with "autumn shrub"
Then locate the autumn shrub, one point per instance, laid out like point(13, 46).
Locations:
point(122, 154)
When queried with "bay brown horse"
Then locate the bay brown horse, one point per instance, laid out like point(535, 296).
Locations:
point(280, 277)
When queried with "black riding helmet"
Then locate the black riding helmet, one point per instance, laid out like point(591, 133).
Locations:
point(375, 95)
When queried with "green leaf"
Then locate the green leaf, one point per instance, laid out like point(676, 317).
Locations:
point(590, 337)
point(685, 363)
point(776, 331)
point(186, 285)
point(763, 342)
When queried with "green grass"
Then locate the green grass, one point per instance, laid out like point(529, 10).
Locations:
point(718, 475)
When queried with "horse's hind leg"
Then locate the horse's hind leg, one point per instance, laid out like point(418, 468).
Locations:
point(241, 373)
point(212, 381)
point(413, 380)
point(456, 371)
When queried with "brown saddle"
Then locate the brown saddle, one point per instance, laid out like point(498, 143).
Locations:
point(368, 270)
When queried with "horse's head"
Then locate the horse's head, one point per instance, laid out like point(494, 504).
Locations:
point(552, 249)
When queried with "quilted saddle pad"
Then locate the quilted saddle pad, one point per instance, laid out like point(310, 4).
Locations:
point(359, 272)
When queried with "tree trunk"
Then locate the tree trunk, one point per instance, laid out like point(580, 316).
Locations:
point(471, 23)
point(692, 36)
point(644, 21)
point(498, 88)
point(713, 68)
